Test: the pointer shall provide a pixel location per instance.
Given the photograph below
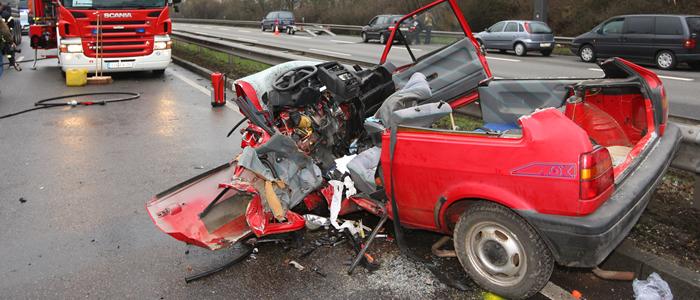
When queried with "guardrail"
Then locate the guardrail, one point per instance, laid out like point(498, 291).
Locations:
point(355, 29)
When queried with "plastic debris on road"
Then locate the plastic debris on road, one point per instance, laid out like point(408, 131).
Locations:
point(314, 222)
point(654, 288)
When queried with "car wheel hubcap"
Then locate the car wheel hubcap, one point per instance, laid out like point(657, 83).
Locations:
point(665, 60)
point(496, 254)
point(587, 54)
point(519, 49)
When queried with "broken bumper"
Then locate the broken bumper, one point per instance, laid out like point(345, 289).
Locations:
point(177, 211)
point(587, 241)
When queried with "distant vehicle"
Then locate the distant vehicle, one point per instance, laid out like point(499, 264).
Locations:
point(23, 16)
point(280, 18)
point(379, 28)
point(519, 36)
point(664, 40)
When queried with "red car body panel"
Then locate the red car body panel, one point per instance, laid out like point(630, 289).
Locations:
point(457, 166)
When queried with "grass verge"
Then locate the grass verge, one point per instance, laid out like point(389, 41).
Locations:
point(232, 66)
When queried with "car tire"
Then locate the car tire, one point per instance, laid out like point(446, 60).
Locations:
point(587, 54)
point(382, 39)
point(262, 27)
point(490, 239)
point(695, 65)
point(546, 52)
point(364, 37)
point(665, 60)
point(520, 49)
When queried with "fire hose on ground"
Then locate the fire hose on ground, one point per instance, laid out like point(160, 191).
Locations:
point(52, 102)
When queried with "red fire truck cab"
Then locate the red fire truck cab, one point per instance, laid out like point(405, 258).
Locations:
point(130, 35)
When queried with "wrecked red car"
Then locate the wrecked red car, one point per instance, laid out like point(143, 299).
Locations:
point(554, 171)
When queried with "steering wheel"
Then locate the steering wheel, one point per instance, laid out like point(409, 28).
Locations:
point(294, 77)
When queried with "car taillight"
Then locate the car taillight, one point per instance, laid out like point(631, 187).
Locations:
point(690, 44)
point(596, 173)
point(527, 27)
point(664, 111)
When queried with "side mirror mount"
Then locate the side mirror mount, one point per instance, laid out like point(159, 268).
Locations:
point(487, 29)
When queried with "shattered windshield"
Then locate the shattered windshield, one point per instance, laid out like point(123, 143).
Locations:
point(107, 4)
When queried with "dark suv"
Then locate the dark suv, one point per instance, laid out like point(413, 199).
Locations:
point(281, 18)
point(379, 28)
point(665, 40)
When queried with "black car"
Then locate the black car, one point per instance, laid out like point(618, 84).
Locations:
point(664, 40)
point(379, 28)
point(280, 18)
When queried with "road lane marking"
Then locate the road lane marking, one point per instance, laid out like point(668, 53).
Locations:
point(660, 76)
point(342, 42)
point(404, 49)
point(226, 29)
point(503, 59)
point(676, 78)
point(301, 37)
point(555, 292)
point(243, 31)
point(330, 52)
point(191, 83)
point(202, 89)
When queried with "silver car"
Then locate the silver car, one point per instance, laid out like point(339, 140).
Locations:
point(519, 36)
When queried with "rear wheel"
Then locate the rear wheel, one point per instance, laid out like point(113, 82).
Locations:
point(546, 52)
point(665, 60)
point(262, 27)
point(520, 49)
point(587, 54)
point(694, 64)
point(364, 37)
point(501, 252)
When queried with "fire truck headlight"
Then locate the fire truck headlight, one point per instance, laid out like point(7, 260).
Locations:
point(162, 45)
point(74, 48)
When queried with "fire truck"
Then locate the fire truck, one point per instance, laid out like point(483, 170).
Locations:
point(107, 35)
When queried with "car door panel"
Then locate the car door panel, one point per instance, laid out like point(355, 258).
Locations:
point(638, 38)
point(457, 68)
point(608, 41)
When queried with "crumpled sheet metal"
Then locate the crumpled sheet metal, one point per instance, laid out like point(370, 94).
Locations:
point(296, 170)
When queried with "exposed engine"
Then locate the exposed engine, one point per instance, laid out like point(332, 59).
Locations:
point(322, 108)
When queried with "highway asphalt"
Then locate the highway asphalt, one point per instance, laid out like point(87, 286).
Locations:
point(683, 85)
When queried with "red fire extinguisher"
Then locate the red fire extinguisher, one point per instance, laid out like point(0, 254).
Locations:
point(218, 95)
